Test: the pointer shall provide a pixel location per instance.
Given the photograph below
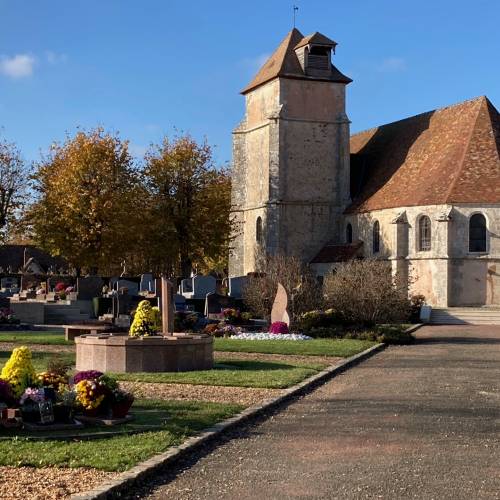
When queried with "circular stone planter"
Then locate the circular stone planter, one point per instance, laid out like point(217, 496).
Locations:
point(173, 353)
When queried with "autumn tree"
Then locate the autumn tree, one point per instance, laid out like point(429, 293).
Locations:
point(189, 207)
point(14, 179)
point(86, 209)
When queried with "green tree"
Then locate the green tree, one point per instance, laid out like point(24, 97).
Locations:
point(189, 207)
point(87, 206)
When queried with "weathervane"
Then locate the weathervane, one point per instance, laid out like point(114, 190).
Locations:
point(295, 9)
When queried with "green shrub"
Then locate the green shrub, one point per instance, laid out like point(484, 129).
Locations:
point(394, 334)
point(318, 319)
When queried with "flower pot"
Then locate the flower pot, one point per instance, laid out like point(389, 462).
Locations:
point(30, 413)
point(63, 414)
point(93, 412)
point(50, 393)
point(120, 410)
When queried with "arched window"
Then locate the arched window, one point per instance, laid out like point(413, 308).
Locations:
point(348, 233)
point(424, 234)
point(258, 230)
point(376, 237)
point(477, 233)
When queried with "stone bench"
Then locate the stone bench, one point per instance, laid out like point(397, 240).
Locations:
point(72, 331)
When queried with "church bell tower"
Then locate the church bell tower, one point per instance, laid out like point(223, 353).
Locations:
point(291, 155)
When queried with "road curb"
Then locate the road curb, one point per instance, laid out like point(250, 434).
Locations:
point(112, 489)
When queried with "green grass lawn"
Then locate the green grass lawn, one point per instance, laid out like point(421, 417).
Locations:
point(228, 372)
point(316, 347)
point(39, 359)
point(239, 373)
point(35, 337)
point(177, 419)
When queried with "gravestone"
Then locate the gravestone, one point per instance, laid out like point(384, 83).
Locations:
point(180, 302)
point(186, 288)
point(279, 311)
point(147, 283)
point(9, 282)
point(89, 287)
point(167, 307)
point(236, 285)
point(131, 286)
point(215, 303)
point(203, 285)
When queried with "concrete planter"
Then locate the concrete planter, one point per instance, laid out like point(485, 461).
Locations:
point(174, 353)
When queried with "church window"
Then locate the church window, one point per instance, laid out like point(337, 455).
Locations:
point(424, 234)
point(348, 233)
point(258, 230)
point(477, 233)
point(376, 237)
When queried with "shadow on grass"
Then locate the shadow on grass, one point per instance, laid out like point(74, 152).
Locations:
point(248, 365)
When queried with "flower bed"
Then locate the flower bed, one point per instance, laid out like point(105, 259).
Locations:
point(52, 398)
point(269, 336)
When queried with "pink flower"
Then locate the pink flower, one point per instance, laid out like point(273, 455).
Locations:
point(279, 328)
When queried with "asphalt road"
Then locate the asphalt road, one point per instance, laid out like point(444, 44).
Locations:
point(418, 421)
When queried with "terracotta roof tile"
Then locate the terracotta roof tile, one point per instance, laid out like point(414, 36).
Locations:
point(316, 38)
point(450, 155)
point(284, 63)
point(338, 253)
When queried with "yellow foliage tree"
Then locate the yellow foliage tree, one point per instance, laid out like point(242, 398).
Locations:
point(189, 208)
point(87, 208)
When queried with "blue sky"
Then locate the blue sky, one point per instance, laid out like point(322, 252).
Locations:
point(145, 68)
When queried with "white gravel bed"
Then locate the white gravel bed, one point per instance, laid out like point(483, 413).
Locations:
point(270, 336)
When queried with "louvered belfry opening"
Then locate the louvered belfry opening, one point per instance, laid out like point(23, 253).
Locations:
point(319, 58)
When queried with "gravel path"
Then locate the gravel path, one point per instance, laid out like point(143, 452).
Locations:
point(47, 483)
point(418, 421)
point(9, 346)
point(255, 356)
point(245, 396)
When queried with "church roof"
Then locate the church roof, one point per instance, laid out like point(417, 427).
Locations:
point(316, 38)
point(338, 253)
point(284, 62)
point(450, 155)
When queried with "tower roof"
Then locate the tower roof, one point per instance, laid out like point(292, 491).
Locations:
point(284, 62)
point(317, 39)
point(450, 155)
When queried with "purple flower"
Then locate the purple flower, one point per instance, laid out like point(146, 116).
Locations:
point(87, 375)
point(279, 328)
point(35, 395)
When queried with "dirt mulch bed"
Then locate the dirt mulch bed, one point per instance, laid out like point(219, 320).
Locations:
point(255, 356)
point(48, 483)
point(246, 396)
point(9, 346)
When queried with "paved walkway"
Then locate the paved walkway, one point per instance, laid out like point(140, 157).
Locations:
point(418, 421)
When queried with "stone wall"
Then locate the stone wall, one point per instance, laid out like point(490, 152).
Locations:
point(291, 152)
point(448, 274)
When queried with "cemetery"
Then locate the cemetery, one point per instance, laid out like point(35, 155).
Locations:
point(144, 363)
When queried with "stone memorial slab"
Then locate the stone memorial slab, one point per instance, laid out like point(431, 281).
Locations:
point(203, 285)
point(236, 285)
point(279, 311)
point(186, 288)
point(89, 287)
point(215, 303)
point(131, 286)
point(179, 302)
point(9, 282)
point(147, 283)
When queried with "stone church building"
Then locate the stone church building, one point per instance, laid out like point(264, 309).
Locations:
point(422, 192)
